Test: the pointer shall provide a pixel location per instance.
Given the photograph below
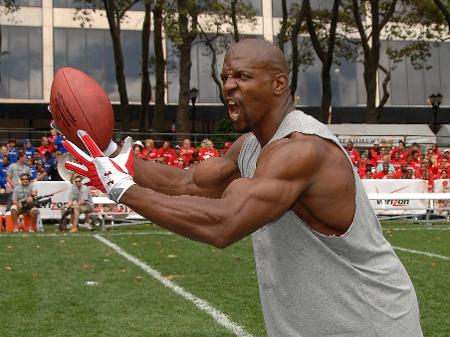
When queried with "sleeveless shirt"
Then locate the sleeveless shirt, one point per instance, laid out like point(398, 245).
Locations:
point(312, 285)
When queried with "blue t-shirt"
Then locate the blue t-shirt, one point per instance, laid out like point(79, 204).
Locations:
point(29, 151)
point(13, 154)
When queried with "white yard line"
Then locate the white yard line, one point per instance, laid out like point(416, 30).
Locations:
point(417, 229)
point(84, 234)
point(203, 305)
point(407, 250)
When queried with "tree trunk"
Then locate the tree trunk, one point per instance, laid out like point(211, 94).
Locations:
point(146, 89)
point(326, 93)
point(234, 21)
point(370, 80)
point(187, 37)
point(160, 65)
point(114, 27)
point(284, 25)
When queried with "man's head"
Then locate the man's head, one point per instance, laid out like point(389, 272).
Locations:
point(77, 180)
point(186, 143)
point(11, 143)
point(25, 179)
point(209, 144)
point(44, 141)
point(21, 157)
point(166, 145)
point(255, 82)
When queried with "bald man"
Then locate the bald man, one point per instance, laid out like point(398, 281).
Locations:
point(324, 267)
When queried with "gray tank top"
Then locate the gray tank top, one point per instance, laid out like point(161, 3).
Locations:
point(312, 285)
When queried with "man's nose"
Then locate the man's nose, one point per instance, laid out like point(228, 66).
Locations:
point(229, 83)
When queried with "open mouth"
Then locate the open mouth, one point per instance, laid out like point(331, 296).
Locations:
point(233, 109)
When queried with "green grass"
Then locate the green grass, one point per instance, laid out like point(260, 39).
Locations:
point(44, 291)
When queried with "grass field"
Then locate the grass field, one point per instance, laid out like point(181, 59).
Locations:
point(83, 285)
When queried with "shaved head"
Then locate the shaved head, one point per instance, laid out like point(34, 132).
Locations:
point(263, 54)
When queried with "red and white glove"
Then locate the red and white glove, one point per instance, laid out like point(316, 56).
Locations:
point(109, 175)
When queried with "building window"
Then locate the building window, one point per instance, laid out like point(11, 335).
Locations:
point(91, 51)
point(21, 62)
point(29, 3)
point(410, 86)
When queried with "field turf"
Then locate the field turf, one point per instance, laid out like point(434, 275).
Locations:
point(75, 285)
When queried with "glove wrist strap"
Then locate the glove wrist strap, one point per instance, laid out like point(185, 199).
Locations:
point(112, 147)
point(120, 188)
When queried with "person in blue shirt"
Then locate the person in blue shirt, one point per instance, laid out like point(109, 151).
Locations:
point(13, 151)
point(28, 149)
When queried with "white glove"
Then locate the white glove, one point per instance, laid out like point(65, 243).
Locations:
point(109, 175)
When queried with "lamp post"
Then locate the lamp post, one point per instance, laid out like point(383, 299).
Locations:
point(193, 93)
point(435, 101)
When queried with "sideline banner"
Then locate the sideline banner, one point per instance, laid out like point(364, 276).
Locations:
point(442, 186)
point(60, 191)
point(392, 186)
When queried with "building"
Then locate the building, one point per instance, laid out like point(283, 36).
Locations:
point(45, 35)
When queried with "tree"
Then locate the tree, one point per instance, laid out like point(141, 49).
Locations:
point(394, 19)
point(182, 29)
point(445, 11)
point(146, 89)
point(115, 13)
point(322, 32)
point(160, 66)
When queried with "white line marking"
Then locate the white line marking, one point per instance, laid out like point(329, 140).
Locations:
point(203, 305)
point(443, 257)
point(417, 229)
point(27, 235)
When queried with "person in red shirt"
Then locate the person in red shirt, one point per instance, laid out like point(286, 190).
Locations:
point(45, 147)
point(226, 147)
point(441, 167)
point(430, 180)
point(383, 173)
point(433, 153)
point(208, 151)
point(150, 152)
point(416, 160)
point(186, 152)
point(400, 148)
point(166, 154)
point(375, 149)
point(353, 153)
point(397, 161)
point(415, 148)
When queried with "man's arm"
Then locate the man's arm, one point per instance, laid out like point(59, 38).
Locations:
point(245, 205)
point(208, 178)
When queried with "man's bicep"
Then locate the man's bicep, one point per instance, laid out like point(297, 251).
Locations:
point(257, 202)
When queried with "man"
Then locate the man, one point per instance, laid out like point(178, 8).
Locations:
point(45, 147)
point(186, 152)
point(323, 265)
point(208, 151)
point(353, 153)
point(22, 202)
point(166, 154)
point(13, 151)
point(28, 149)
point(80, 202)
point(16, 169)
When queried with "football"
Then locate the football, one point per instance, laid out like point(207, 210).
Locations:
point(78, 102)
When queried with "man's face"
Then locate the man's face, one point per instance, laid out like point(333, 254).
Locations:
point(25, 180)
point(247, 87)
point(186, 143)
point(22, 159)
point(44, 141)
point(209, 145)
point(77, 182)
point(166, 145)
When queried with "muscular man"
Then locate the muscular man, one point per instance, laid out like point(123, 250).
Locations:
point(324, 267)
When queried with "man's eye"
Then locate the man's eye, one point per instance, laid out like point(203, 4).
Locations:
point(244, 76)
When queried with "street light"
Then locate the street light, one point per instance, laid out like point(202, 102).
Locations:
point(193, 93)
point(435, 101)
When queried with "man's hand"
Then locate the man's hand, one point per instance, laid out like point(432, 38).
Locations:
point(109, 175)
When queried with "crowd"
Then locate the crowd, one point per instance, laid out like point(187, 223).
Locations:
point(40, 160)
point(400, 162)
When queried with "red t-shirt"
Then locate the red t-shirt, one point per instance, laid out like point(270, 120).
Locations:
point(187, 154)
point(149, 154)
point(205, 153)
point(42, 149)
point(169, 155)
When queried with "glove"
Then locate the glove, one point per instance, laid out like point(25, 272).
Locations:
point(109, 175)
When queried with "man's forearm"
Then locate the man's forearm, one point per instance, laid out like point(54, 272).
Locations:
point(159, 177)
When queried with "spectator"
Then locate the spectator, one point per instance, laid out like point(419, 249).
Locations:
point(28, 149)
point(22, 200)
point(374, 151)
point(53, 172)
point(384, 172)
point(416, 160)
point(368, 175)
point(41, 172)
point(186, 152)
point(396, 161)
point(208, 151)
point(80, 202)
point(45, 147)
point(13, 151)
point(382, 155)
point(226, 147)
point(433, 153)
point(138, 146)
point(444, 174)
point(353, 153)
point(400, 149)
point(149, 152)
point(15, 170)
point(166, 154)
point(32, 165)
point(57, 141)
point(409, 173)
point(386, 160)
point(415, 148)
point(428, 177)
point(49, 161)
point(3, 174)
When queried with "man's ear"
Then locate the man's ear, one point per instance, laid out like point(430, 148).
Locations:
point(280, 83)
